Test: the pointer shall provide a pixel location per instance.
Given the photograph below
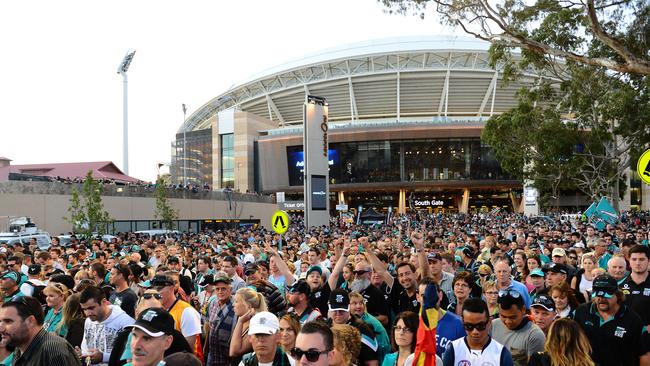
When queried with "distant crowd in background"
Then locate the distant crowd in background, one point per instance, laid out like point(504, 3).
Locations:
point(422, 289)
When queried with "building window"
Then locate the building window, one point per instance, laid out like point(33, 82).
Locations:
point(228, 161)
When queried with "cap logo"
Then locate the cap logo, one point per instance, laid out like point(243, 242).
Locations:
point(262, 321)
point(339, 298)
point(149, 315)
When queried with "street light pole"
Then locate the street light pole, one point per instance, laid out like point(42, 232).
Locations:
point(122, 69)
point(184, 147)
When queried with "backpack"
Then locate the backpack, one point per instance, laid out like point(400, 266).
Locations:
point(38, 292)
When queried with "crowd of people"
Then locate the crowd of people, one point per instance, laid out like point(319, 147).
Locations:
point(422, 289)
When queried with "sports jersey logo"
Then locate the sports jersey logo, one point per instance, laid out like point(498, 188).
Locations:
point(646, 292)
point(620, 332)
point(464, 363)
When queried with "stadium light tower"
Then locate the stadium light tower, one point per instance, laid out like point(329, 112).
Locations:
point(122, 69)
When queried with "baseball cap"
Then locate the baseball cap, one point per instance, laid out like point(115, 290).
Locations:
point(534, 246)
point(434, 257)
point(156, 322)
point(537, 272)
point(162, 280)
point(556, 268)
point(605, 286)
point(221, 277)
point(64, 279)
point(314, 268)
point(173, 260)
point(34, 269)
point(543, 301)
point(558, 252)
point(145, 284)
point(339, 300)
point(12, 275)
point(250, 268)
point(300, 286)
point(263, 322)
point(578, 245)
point(468, 251)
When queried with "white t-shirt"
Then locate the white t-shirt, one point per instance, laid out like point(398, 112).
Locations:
point(190, 322)
point(292, 362)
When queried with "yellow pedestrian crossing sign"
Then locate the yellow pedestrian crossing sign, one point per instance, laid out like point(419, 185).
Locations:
point(643, 167)
point(280, 222)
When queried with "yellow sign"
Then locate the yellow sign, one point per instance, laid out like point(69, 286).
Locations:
point(280, 222)
point(643, 167)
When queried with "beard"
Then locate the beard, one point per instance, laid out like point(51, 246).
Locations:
point(18, 338)
point(359, 285)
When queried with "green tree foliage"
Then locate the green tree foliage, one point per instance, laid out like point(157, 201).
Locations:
point(77, 216)
point(566, 29)
point(164, 211)
point(590, 105)
point(87, 213)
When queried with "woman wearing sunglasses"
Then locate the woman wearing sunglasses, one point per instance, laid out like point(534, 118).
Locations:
point(403, 338)
point(55, 295)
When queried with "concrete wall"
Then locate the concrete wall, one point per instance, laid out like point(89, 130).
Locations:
point(48, 209)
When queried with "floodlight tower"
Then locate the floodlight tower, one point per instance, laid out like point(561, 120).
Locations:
point(122, 69)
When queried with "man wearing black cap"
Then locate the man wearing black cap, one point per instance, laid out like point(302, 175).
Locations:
point(339, 313)
point(615, 332)
point(543, 312)
point(298, 298)
point(34, 286)
point(151, 336)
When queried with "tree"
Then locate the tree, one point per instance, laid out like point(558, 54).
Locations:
point(87, 213)
point(164, 211)
point(592, 60)
point(77, 216)
point(556, 28)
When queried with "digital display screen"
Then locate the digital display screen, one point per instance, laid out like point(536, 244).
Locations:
point(296, 163)
point(318, 193)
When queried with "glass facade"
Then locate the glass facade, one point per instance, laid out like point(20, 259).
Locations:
point(196, 162)
point(403, 161)
point(227, 160)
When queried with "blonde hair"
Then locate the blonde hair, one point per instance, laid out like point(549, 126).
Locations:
point(567, 345)
point(58, 288)
point(253, 298)
point(347, 341)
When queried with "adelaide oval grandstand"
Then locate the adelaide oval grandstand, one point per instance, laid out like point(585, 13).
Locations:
point(405, 120)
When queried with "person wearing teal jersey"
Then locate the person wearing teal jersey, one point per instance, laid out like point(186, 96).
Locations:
point(10, 283)
point(358, 308)
point(55, 295)
point(601, 254)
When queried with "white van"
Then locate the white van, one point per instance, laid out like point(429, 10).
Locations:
point(43, 240)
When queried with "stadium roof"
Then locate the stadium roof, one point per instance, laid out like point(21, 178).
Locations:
point(395, 78)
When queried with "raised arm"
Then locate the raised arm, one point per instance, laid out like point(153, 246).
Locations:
point(340, 263)
point(289, 278)
point(376, 264)
point(418, 242)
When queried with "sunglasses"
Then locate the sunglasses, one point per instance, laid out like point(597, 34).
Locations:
point(510, 293)
point(312, 355)
point(478, 326)
point(359, 273)
point(148, 296)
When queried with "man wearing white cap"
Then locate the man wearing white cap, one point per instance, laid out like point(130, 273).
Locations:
point(263, 330)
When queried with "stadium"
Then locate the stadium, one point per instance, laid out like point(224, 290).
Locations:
point(405, 120)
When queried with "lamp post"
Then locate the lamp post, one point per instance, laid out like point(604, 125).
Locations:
point(184, 147)
point(122, 69)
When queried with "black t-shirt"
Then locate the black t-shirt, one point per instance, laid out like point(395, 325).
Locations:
point(618, 342)
point(637, 297)
point(126, 300)
point(399, 300)
point(318, 299)
point(375, 303)
point(369, 344)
